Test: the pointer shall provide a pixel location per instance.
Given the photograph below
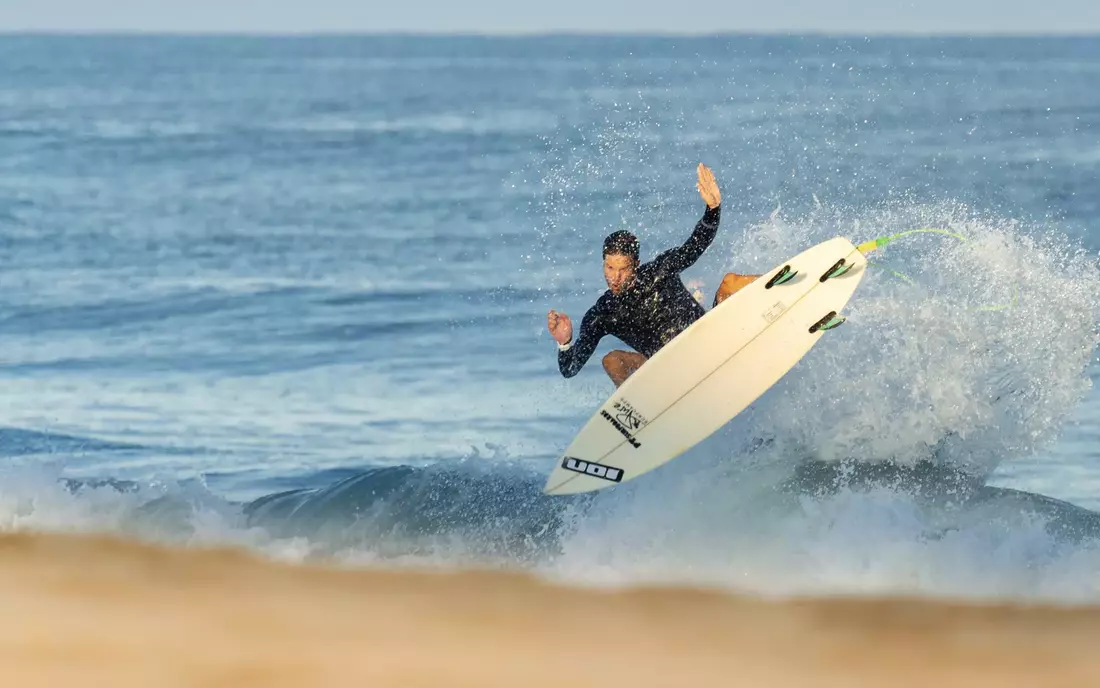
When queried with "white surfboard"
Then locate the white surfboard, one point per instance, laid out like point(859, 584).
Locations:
point(711, 371)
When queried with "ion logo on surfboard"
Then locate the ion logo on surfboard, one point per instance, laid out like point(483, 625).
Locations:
point(596, 470)
point(626, 420)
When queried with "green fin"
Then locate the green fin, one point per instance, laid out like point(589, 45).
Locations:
point(785, 274)
point(787, 278)
point(838, 269)
point(830, 321)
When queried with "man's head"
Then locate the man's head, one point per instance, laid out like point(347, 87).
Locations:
point(620, 259)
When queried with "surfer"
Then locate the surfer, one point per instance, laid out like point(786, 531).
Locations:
point(645, 305)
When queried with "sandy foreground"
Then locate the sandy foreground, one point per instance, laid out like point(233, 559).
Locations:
point(101, 612)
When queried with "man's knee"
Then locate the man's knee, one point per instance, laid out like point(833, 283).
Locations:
point(733, 281)
point(620, 365)
point(731, 284)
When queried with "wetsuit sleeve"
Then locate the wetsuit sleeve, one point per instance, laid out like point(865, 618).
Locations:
point(676, 260)
point(592, 331)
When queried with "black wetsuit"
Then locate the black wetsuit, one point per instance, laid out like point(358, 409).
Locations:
point(654, 309)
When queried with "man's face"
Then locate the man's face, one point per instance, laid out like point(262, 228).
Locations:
point(618, 270)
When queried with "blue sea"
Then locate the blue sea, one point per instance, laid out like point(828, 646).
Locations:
point(290, 294)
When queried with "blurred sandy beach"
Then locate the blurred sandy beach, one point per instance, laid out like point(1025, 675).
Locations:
point(104, 612)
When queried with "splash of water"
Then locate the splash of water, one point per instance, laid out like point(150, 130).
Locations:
point(923, 368)
point(922, 379)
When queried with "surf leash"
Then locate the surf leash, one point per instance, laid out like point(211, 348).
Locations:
point(868, 246)
point(874, 244)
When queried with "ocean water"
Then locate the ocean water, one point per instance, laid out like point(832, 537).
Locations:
point(290, 294)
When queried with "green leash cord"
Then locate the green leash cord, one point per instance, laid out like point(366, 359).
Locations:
point(868, 246)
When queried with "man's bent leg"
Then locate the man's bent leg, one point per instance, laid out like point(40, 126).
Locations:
point(621, 364)
point(731, 284)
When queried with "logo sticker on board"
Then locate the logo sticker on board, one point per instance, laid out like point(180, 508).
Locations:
point(773, 313)
point(628, 415)
point(596, 470)
point(626, 420)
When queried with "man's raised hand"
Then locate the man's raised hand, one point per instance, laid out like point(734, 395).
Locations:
point(708, 187)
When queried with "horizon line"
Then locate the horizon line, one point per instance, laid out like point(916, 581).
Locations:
point(539, 33)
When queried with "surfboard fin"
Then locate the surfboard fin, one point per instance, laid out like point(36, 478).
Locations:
point(838, 269)
point(827, 323)
point(785, 274)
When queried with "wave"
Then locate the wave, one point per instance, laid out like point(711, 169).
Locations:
point(867, 468)
point(823, 528)
point(498, 122)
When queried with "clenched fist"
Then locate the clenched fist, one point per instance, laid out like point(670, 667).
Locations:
point(560, 326)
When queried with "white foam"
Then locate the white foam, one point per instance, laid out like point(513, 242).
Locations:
point(916, 374)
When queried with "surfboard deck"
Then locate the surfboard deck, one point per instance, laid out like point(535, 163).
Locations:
point(712, 370)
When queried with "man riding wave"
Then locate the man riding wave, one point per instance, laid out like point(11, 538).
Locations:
point(646, 305)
